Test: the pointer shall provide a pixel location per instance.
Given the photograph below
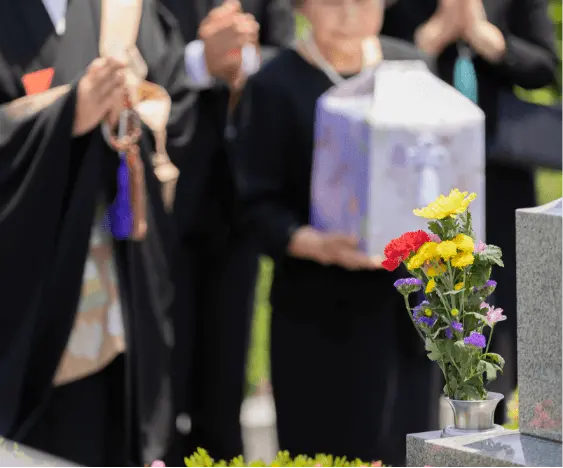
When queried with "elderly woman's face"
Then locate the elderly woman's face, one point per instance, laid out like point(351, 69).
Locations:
point(344, 22)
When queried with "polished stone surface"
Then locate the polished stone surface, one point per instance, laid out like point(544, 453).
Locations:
point(504, 448)
point(539, 314)
point(12, 454)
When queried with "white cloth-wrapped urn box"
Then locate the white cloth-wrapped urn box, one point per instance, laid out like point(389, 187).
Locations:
point(390, 140)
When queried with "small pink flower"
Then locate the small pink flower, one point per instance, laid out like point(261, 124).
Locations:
point(158, 463)
point(377, 463)
point(434, 238)
point(480, 247)
point(494, 315)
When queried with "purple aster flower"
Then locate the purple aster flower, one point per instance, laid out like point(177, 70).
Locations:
point(487, 289)
point(449, 332)
point(429, 321)
point(408, 286)
point(417, 311)
point(423, 315)
point(476, 339)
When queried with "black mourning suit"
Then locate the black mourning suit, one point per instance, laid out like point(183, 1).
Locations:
point(218, 265)
point(530, 62)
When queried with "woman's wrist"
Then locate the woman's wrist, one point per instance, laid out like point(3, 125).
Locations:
point(305, 243)
point(486, 39)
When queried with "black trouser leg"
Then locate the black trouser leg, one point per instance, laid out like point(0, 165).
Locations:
point(222, 285)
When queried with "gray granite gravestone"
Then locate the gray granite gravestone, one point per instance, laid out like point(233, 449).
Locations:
point(538, 443)
point(538, 238)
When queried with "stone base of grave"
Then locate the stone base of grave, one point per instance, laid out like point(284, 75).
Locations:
point(12, 454)
point(500, 448)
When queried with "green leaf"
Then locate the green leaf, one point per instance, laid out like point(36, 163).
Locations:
point(435, 228)
point(492, 255)
point(494, 358)
point(490, 370)
point(480, 273)
point(477, 315)
point(470, 392)
point(433, 351)
point(460, 345)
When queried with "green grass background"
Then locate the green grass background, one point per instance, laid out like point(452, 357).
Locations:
point(548, 184)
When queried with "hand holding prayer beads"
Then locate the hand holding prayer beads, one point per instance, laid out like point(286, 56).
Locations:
point(98, 90)
point(224, 31)
point(128, 219)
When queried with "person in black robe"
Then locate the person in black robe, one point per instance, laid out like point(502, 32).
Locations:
point(56, 172)
point(220, 263)
point(526, 57)
point(350, 377)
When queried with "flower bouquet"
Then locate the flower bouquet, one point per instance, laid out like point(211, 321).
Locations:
point(454, 320)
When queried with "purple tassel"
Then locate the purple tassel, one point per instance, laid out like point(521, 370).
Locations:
point(120, 211)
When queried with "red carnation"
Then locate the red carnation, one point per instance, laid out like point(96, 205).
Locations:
point(400, 248)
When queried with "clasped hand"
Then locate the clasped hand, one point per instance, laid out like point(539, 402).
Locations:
point(224, 31)
point(460, 17)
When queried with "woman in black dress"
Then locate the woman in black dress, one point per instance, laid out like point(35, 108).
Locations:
point(349, 376)
point(512, 43)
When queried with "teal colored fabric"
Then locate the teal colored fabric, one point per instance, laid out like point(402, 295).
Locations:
point(465, 77)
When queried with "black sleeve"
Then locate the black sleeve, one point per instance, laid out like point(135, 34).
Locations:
point(530, 60)
point(35, 158)
point(260, 154)
point(169, 71)
point(277, 27)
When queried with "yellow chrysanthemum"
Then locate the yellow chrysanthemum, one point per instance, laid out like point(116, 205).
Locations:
point(455, 203)
point(446, 250)
point(458, 286)
point(428, 312)
point(454, 312)
point(428, 251)
point(463, 259)
point(415, 262)
point(464, 243)
point(430, 286)
point(435, 270)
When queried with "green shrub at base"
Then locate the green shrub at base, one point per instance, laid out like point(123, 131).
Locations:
point(202, 458)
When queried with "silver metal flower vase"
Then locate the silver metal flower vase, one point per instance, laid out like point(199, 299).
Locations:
point(473, 416)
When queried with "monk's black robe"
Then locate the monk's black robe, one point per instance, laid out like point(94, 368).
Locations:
point(50, 183)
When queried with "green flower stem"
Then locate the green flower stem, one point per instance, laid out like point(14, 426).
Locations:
point(437, 292)
point(412, 319)
point(490, 338)
point(462, 303)
point(443, 367)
